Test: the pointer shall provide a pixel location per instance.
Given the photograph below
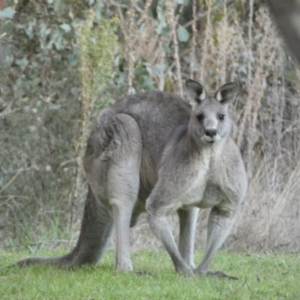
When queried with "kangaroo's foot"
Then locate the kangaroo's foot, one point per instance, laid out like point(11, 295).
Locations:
point(143, 273)
point(185, 271)
point(220, 274)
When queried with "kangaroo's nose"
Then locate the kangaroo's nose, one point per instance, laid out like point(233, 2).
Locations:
point(211, 132)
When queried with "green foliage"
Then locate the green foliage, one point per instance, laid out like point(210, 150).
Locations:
point(260, 277)
point(7, 12)
point(39, 108)
point(96, 53)
point(97, 46)
point(183, 34)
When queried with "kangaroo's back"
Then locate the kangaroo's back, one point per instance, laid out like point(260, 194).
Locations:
point(157, 114)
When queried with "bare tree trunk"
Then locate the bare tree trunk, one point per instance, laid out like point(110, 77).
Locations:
point(287, 17)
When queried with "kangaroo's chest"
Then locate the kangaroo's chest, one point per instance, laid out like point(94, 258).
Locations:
point(205, 189)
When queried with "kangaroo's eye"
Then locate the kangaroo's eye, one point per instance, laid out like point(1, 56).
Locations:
point(200, 117)
point(221, 117)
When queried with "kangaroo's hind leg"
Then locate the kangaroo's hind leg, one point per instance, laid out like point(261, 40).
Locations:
point(123, 180)
point(123, 194)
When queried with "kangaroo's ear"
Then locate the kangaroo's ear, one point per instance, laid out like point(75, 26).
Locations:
point(196, 90)
point(228, 92)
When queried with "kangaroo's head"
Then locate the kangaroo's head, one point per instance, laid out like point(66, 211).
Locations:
point(210, 121)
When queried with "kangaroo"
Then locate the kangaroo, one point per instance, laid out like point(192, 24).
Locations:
point(157, 153)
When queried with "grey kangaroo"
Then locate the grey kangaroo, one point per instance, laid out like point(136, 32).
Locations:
point(155, 152)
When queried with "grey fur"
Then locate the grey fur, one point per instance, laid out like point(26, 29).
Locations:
point(156, 152)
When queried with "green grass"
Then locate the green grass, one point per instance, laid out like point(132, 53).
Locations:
point(261, 276)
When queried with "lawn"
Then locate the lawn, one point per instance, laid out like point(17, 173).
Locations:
point(260, 276)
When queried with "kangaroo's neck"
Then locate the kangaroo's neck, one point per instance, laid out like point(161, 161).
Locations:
point(195, 146)
point(183, 146)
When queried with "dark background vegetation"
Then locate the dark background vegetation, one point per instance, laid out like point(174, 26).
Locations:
point(55, 77)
